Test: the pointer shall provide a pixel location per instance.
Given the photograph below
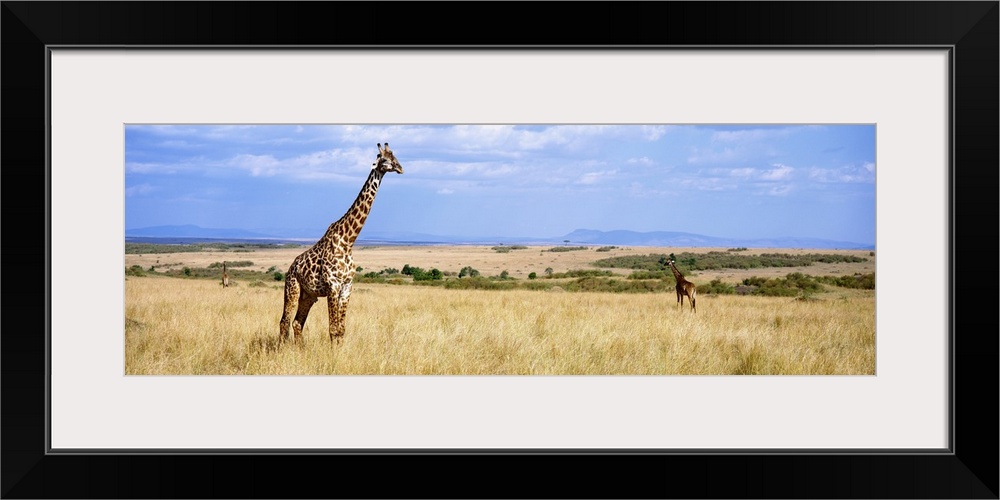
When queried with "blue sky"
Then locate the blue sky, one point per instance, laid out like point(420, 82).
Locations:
point(748, 181)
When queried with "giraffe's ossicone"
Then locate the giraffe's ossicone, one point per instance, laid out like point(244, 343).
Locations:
point(327, 268)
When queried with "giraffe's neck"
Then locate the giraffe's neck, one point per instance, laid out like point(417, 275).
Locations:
point(677, 274)
point(349, 226)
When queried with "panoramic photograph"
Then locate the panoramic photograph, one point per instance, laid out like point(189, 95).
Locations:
point(498, 249)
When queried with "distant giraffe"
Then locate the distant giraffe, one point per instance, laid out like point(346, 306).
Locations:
point(225, 275)
point(684, 287)
point(327, 268)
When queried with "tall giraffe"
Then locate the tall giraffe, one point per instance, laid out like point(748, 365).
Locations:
point(327, 268)
point(225, 275)
point(684, 287)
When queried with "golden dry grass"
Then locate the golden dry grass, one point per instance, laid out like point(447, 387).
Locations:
point(195, 327)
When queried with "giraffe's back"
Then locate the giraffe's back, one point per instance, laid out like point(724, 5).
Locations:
point(322, 269)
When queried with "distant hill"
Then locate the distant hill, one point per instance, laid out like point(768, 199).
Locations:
point(677, 239)
point(579, 237)
point(192, 231)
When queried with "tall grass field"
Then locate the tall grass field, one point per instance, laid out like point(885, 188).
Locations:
point(196, 327)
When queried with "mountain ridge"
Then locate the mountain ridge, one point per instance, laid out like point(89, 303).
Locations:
point(578, 236)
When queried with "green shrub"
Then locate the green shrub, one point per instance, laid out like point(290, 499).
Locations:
point(135, 270)
point(279, 276)
point(479, 283)
point(720, 260)
point(862, 281)
point(468, 271)
point(421, 275)
point(581, 273)
point(717, 287)
point(791, 285)
point(649, 275)
point(371, 277)
point(599, 284)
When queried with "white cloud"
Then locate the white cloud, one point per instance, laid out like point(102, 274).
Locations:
point(749, 136)
point(654, 132)
point(139, 190)
point(779, 190)
point(743, 146)
point(709, 156)
point(707, 184)
point(779, 172)
point(639, 190)
point(471, 136)
point(776, 173)
point(756, 135)
point(169, 130)
point(179, 144)
point(850, 174)
point(591, 178)
point(369, 135)
point(147, 168)
point(510, 141)
point(336, 164)
point(644, 161)
point(446, 191)
point(445, 169)
point(257, 165)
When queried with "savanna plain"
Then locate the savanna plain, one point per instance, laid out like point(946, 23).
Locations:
point(507, 310)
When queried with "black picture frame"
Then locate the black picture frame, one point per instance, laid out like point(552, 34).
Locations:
point(970, 29)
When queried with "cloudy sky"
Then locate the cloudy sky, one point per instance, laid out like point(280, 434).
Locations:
point(758, 181)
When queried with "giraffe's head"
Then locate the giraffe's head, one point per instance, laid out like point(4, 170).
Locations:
point(386, 161)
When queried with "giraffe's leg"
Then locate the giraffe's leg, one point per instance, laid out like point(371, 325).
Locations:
point(337, 311)
point(292, 291)
point(337, 306)
point(306, 301)
point(689, 293)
